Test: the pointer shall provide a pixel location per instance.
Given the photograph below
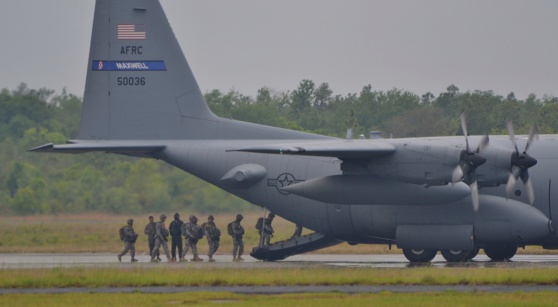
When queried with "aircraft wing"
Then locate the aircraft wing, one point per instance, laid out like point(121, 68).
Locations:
point(342, 149)
point(126, 148)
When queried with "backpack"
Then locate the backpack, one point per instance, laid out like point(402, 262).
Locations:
point(200, 233)
point(230, 229)
point(216, 234)
point(122, 233)
point(259, 224)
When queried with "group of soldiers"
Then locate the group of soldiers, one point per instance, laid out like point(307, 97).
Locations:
point(157, 237)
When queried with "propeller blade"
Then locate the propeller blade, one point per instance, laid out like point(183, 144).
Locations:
point(475, 195)
point(530, 192)
point(528, 187)
point(509, 127)
point(463, 120)
point(532, 133)
point(520, 164)
point(457, 174)
point(482, 144)
point(510, 185)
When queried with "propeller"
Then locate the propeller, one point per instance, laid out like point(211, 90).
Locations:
point(520, 163)
point(468, 163)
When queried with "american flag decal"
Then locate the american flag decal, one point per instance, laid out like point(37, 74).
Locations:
point(128, 31)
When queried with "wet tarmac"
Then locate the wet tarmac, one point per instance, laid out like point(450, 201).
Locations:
point(105, 260)
point(293, 289)
point(100, 260)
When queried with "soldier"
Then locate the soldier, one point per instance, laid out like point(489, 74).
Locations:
point(161, 234)
point(129, 236)
point(267, 231)
point(192, 233)
point(150, 232)
point(237, 234)
point(175, 232)
point(213, 235)
point(298, 232)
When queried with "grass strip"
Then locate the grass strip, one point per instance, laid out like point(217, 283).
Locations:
point(185, 276)
point(307, 299)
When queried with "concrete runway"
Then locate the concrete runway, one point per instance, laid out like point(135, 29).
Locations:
point(99, 260)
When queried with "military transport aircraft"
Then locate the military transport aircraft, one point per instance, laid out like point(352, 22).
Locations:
point(424, 195)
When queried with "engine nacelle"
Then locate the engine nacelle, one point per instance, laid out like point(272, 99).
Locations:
point(418, 163)
point(496, 169)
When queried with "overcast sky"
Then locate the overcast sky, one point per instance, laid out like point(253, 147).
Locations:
point(420, 46)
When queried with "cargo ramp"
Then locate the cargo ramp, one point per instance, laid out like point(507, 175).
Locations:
point(300, 245)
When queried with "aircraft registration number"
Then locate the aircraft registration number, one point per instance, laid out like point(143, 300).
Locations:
point(130, 81)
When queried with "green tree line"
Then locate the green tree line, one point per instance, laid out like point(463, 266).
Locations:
point(33, 183)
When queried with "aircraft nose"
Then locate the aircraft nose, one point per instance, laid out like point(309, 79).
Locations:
point(551, 227)
point(511, 222)
point(533, 227)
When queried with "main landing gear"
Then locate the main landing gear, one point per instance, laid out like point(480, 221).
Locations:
point(419, 255)
point(459, 255)
point(500, 253)
point(495, 253)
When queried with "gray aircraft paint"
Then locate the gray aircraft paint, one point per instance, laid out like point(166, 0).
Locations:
point(148, 104)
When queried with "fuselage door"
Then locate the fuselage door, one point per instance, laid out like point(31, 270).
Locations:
point(340, 221)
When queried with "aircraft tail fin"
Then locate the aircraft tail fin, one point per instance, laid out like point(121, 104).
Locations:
point(139, 84)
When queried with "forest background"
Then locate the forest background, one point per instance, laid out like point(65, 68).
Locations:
point(32, 183)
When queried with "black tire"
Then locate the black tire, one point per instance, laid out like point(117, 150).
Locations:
point(500, 253)
point(457, 255)
point(419, 255)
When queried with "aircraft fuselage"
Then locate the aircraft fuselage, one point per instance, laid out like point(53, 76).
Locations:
point(499, 219)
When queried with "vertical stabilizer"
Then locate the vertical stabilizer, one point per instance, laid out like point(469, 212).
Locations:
point(139, 84)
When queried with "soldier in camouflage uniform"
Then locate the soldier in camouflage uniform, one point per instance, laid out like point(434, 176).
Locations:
point(267, 231)
point(150, 232)
point(161, 234)
point(192, 233)
point(238, 233)
point(130, 237)
point(298, 232)
point(213, 235)
point(175, 232)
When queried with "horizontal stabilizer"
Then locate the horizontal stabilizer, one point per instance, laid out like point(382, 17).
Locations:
point(120, 147)
point(343, 149)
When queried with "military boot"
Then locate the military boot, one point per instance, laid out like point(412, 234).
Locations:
point(197, 259)
point(211, 259)
point(119, 258)
point(134, 260)
point(240, 258)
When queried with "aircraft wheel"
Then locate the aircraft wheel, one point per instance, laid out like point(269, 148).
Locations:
point(457, 255)
point(419, 255)
point(500, 253)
